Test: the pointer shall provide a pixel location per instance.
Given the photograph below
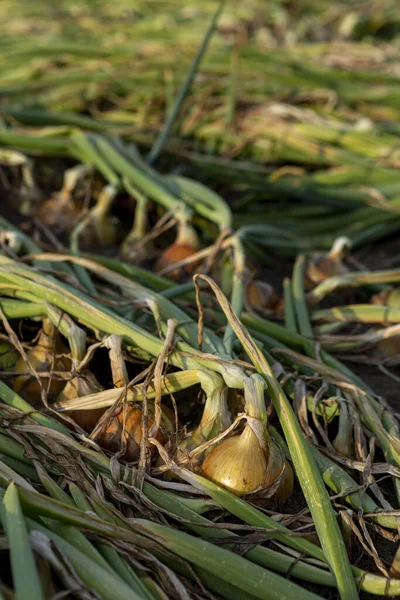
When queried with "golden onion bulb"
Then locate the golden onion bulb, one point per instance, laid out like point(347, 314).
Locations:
point(59, 212)
point(238, 463)
point(389, 297)
point(261, 296)
point(115, 435)
point(83, 384)
point(174, 254)
point(46, 356)
point(243, 466)
point(185, 245)
point(387, 348)
point(322, 266)
point(279, 474)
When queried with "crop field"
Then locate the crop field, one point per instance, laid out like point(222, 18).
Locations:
point(199, 300)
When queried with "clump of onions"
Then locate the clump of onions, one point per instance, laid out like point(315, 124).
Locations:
point(185, 245)
point(321, 266)
point(261, 296)
point(250, 462)
point(125, 431)
point(49, 354)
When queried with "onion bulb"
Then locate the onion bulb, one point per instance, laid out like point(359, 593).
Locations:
point(185, 245)
point(83, 384)
point(47, 355)
point(387, 348)
point(114, 437)
point(99, 227)
point(244, 465)
point(389, 297)
point(321, 266)
point(60, 212)
point(261, 296)
point(250, 462)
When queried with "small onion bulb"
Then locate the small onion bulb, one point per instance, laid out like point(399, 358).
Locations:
point(322, 266)
point(83, 384)
point(389, 298)
point(185, 245)
point(114, 436)
point(47, 355)
point(261, 296)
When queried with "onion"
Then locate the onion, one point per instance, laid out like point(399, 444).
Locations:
point(238, 463)
point(321, 266)
point(45, 356)
point(186, 244)
point(246, 465)
point(60, 211)
point(390, 297)
point(261, 296)
point(83, 384)
point(115, 437)
point(250, 462)
point(387, 348)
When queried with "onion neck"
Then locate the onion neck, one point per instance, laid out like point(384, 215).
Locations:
point(215, 418)
point(254, 387)
point(340, 248)
point(186, 235)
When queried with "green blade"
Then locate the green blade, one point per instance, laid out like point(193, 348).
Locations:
point(164, 133)
point(24, 573)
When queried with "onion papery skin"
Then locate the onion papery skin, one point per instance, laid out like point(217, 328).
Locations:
point(47, 355)
point(114, 435)
point(241, 465)
point(174, 254)
point(84, 384)
point(261, 296)
point(237, 463)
